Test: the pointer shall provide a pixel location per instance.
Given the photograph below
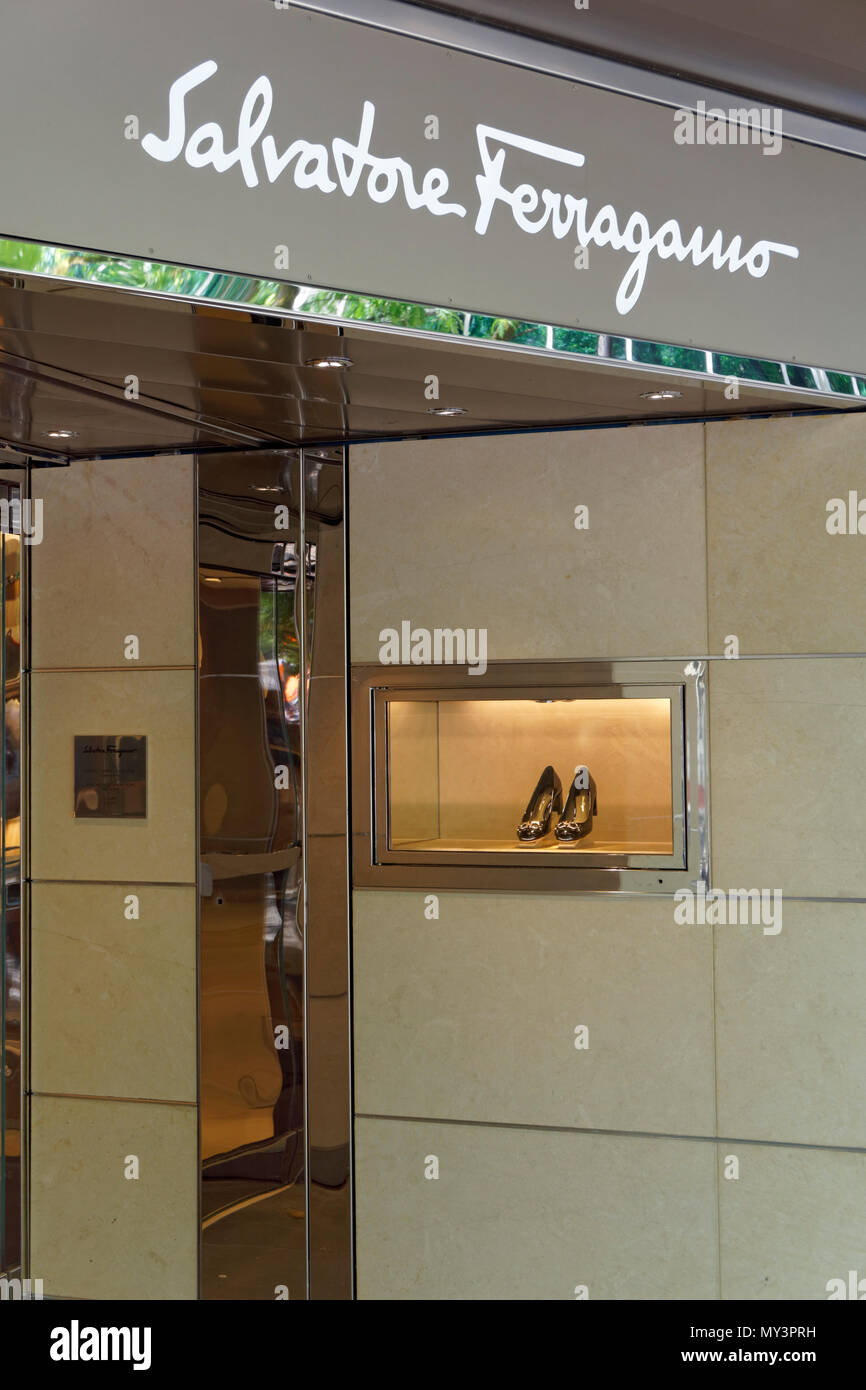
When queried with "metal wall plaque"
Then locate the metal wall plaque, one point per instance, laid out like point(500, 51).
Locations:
point(110, 776)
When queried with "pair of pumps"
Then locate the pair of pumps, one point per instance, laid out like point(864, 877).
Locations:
point(575, 819)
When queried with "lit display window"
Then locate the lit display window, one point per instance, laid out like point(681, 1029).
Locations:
point(497, 775)
point(557, 769)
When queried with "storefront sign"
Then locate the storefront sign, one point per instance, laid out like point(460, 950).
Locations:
point(356, 167)
point(250, 137)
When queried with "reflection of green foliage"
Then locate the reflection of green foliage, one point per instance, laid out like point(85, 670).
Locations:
point(390, 311)
point(23, 255)
point(840, 382)
point(575, 340)
point(748, 367)
point(802, 376)
point(662, 355)
point(166, 279)
point(99, 269)
point(508, 330)
point(278, 640)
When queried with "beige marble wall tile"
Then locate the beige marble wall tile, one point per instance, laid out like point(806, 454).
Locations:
point(160, 704)
point(531, 1214)
point(777, 579)
point(790, 1027)
point(113, 1008)
point(473, 1016)
point(481, 533)
point(787, 770)
point(118, 558)
point(97, 1234)
point(791, 1222)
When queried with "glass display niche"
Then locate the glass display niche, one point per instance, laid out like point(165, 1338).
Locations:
point(568, 766)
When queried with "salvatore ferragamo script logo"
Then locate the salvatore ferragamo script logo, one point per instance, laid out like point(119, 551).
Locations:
point(349, 165)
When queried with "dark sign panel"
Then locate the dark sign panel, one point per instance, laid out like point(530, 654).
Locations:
point(259, 138)
point(110, 776)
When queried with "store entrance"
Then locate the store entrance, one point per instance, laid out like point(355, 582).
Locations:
point(222, 433)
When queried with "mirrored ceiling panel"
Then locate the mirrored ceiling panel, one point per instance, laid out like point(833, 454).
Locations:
point(86, 371)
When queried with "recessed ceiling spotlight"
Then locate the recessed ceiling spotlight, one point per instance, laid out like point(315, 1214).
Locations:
point(446, 410)
point(337, 364)
point(60, 434)
point(661, 395)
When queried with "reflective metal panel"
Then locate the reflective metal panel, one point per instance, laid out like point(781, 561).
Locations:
point(209, 377)
point(110, 776)
point(254, 1243)
point(11, 1083)
point(275, 1029)
point(326, 862)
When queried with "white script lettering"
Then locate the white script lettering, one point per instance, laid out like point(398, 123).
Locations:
point(533, 209)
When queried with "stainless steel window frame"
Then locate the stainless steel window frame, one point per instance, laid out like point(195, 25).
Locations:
point(377, 865)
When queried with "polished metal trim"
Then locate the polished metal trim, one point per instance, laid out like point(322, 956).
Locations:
point(540, 55)
point(351, 1256)
point(300, 616)
point(348, 326)
point(23, 488)
point(26, 783)
point(236, 436)
point(245, 540)
point(196, 606)
point(377, 865)
point(596, 1129)
point(328, 1045)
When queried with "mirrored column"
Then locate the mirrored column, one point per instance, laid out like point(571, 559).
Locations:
point(254, 1240)
point(11, 1136)
point(327, 892)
